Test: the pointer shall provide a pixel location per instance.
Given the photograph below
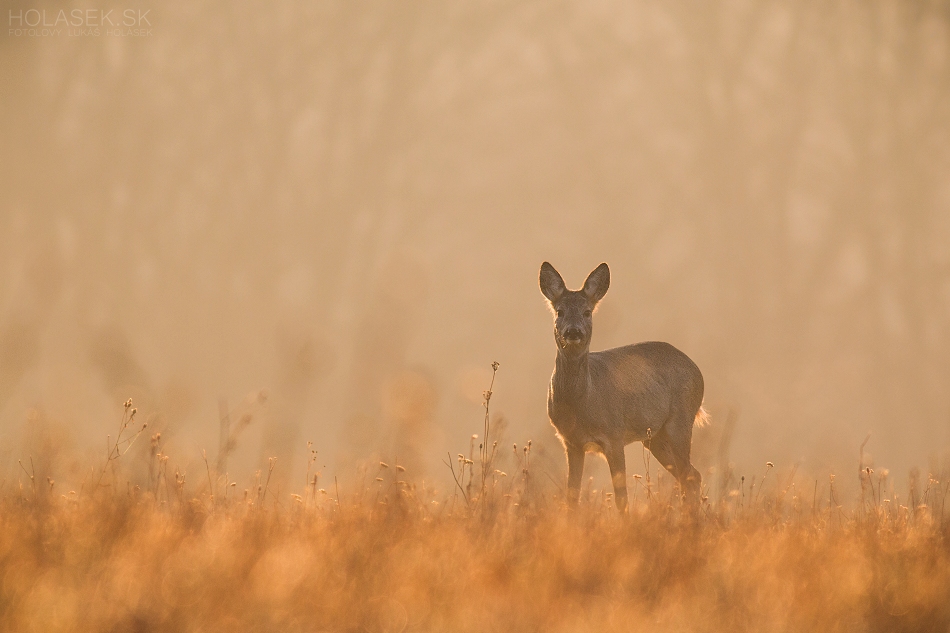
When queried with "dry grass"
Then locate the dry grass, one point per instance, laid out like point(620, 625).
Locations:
point(393, 557)
point(503, 555)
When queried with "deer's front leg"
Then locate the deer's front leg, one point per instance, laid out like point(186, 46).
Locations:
point(618, 475)
point(575, 470)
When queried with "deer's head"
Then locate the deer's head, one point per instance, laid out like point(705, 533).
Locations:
point(573, 309)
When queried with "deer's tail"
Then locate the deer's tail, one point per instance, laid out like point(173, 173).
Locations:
point(702, 417)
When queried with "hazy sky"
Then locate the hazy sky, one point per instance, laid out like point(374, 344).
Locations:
point(346, 204)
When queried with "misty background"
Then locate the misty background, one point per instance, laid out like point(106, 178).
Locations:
point(330, 216)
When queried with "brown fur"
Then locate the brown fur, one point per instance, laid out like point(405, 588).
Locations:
point(602, 401)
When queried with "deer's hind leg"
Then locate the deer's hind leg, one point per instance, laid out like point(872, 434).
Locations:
point(671, 447)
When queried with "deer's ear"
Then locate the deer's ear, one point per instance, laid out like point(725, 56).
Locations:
point(552, 286)
point(597, 283)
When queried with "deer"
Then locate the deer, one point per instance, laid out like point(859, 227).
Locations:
point(601, 401)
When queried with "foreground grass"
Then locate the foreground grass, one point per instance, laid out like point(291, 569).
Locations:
point(498, 553)
point(396, 563)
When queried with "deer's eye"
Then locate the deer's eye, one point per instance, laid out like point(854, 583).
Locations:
point(587, 313)
point(560, 313)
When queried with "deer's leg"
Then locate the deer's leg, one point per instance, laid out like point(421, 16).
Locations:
point(618, 475)
point(670, 454)
point(575, 470)
point(680, 433)
point(693, 484)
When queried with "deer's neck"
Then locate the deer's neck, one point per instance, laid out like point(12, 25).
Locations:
point(571, 377)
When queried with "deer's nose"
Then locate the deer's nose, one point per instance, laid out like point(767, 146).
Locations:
point(573, 334)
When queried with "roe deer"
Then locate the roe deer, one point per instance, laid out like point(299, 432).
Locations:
point(602, 401)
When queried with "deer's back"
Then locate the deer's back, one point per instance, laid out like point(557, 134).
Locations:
point(640, 385)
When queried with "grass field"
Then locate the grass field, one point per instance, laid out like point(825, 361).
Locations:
point(394, 556)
